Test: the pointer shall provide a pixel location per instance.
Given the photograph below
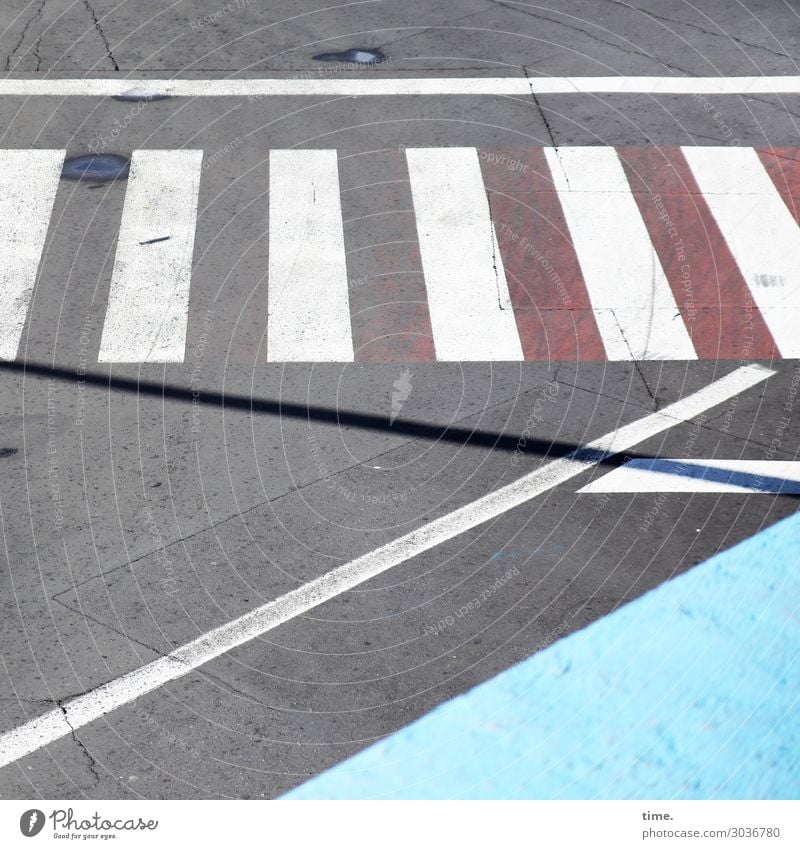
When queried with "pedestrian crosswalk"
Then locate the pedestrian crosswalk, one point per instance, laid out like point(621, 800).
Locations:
point(25, 208)
point(761, 232)
point(149, 297)
point(634, 306)
point(471, 312)
point(308, 318)
point(590, 253)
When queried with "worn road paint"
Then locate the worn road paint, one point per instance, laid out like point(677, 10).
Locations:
point(632, 299)
point(761, 232)
point(309, 307)
point(468, 298)
point(148, 302)
point(28, 186)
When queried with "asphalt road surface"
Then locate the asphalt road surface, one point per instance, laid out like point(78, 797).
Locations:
point(310, 323)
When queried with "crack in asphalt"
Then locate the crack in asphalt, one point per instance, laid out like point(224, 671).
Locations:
point(248, 697)
point(780, 106)
point(546, 123)
point(493, 246)
point(44, 701)
point(128, 637)
point(423, 30)
point(34, 17)
point(102, 34)
point(634, 360)
point(92, 762)
point(37, 55)
point(630, 51)
point(697, 27)
point(540, 110)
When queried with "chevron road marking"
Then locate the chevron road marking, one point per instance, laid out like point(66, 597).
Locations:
point(779, 477)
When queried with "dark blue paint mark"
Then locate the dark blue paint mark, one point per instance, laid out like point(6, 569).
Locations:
point(140, 95)
point(356, 55)
point(97, 167)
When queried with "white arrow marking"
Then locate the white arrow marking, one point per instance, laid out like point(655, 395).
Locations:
point(699, 475)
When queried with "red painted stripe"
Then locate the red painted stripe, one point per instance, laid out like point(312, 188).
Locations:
point(552, 307)
point(783, 166)
point(712, 296)
point(388, 302)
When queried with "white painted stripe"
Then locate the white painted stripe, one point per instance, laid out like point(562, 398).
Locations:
point(470, 308)
point(28, 185)
point(148, 302)
point(634, 305)
point(309, 305)
point(697, 475)
point(760, 231)
point(84, 709)
point(358, 86)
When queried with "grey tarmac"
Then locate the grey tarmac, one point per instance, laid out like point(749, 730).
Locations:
point(142, 505)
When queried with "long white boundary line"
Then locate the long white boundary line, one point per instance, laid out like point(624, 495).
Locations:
point(351, 86)
point(84, 709)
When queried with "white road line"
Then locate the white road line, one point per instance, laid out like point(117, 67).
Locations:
point(633, 302)
point(699, 475)
point(28, 185)
point(84, 709)
point(148, 302)
point(761, 232)
point(309, 305)
point(471, 312)
point(351, 86)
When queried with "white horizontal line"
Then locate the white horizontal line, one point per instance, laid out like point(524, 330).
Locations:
point(92, 705)
point(356, 86)
point(701, 475)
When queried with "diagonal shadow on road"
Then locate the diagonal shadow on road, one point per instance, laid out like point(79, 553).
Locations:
point(350, 418)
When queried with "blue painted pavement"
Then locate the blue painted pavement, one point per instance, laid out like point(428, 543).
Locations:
point(690, 692)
